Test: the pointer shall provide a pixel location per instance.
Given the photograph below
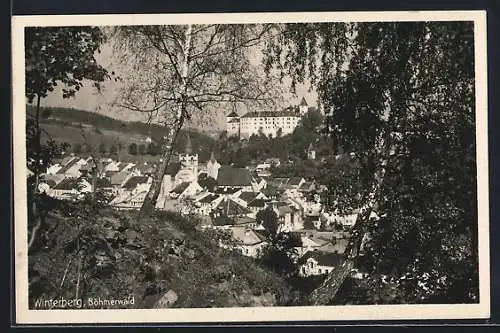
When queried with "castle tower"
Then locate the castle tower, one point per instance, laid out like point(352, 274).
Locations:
point(233, 124)
point(213, 167)
point(189, 162)
point(303, 107)
point(311, 152)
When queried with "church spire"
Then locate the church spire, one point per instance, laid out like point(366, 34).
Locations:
point(212, 157)
point(189, 147)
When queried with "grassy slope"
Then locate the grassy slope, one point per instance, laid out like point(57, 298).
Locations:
point(148, 256)
point(61, 126)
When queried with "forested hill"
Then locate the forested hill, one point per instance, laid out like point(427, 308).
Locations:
point(60, 124)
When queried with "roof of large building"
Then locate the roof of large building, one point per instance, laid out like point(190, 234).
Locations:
point(234, 120)
point(134, 181)
point(229, 176)
point(323, 258)
point(270, 114)
point(233, 114)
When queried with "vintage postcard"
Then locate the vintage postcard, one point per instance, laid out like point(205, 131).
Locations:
point(179, 168)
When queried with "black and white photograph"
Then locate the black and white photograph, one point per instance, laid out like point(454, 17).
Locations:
point(250, 167)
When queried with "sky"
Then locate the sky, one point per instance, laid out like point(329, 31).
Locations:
point(88, 99)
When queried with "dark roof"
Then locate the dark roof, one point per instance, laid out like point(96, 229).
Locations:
point(303, 102)
point(67, 184)
point(209, 198)
point(324, 258)
point(294, 180)
point(103, 182)
point(270, 114)
point(229, 207)
point(180, 188)
point(133, 181)
point(233, 114)
point(229, 176)
point(248, 196)
point(234, 120)
point(257, 203)
point(227, 191)
point(222, 220)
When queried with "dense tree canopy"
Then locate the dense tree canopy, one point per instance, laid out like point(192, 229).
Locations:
point(401, 96)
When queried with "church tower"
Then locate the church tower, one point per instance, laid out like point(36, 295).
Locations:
point(303, 107)
point(189, 162)
point(213, 167)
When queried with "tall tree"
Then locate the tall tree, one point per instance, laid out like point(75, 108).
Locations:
point(184, 72)
point(401, 96)
point(53, 55)
point(59, 55)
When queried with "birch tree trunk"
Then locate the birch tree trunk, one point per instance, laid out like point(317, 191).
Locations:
point(149, 203)
point(326, 292)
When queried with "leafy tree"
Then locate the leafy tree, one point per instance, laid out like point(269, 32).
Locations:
point(102, 148)
point(401, 97)
point(55, 55)
point(132, 149)
point(86, 149)
point(269, 220)
point(113, 150)
point(184, 71)
point(142, 149)
point(77, 148)
point(152, 149)
point(207, 182)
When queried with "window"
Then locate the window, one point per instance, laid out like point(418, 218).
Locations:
point(319, 271)
point(311, 264)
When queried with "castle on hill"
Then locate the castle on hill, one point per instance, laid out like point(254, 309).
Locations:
point(266, 122)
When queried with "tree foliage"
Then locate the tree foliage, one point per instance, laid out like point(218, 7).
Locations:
point(183, 71)
point(401, 96)
point(62, 54)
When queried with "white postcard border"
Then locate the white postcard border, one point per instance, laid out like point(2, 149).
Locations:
point(307, 313)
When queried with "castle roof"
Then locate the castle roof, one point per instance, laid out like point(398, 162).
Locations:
point(270, 114)
point(303, 102)
point(233, 114)
point(234, 120)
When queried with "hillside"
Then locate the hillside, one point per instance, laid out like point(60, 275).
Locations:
point(67, 125)
point(105, 253)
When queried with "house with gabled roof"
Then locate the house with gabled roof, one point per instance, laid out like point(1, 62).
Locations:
point(70, 189)
point(71, 169)
point(315, 263)
point(207, 203)
point(248, 241)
